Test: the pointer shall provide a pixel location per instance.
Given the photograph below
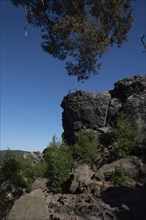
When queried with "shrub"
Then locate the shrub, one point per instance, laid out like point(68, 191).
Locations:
point(120, 175)
point(21, 172)
point(85, 147)
point(59, 161)
point(29, 172)
point(125, 137)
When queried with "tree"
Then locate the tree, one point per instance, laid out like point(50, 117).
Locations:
point(59, 162)
point(125, 136)
point(80, 31)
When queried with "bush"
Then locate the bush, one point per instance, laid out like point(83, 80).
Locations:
point(120, 175)
point(21, 172)
point(125, 137)
point(85, 147)
point(59, 161)
point(29, 172)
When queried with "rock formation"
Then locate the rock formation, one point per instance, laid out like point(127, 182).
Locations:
point(92, 191)
point(92, 196)
point(97, 111)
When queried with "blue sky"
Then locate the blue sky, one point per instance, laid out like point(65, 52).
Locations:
point(33, 84)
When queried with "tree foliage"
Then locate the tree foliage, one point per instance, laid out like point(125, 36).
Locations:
point(85, 147)
point(82, 30)
point(59, 163)
point(126, 137)
point(21, 172)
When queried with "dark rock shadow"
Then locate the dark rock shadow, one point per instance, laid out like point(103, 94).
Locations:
point(130, 203)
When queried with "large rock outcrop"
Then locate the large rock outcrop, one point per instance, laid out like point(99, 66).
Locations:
point(97, 111)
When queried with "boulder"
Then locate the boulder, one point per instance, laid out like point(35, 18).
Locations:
point(40, 183)
point(134, 166)
point(29, 206)
point(128, 86)
point(82, 110)
point(80, 178)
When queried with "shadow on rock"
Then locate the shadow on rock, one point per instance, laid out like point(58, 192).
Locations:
point(130, 203)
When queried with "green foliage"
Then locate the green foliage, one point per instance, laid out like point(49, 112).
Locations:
point(85, 147)
point(120, 175)
point(125, 137)
point(84, 30)
point(21, 172)
point(59, 162)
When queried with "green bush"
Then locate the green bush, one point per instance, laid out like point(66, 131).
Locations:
point(120, 175)
point(21, 172)
point(59, 161)
point(29, 172)
point(85, 147)
point(125, 137)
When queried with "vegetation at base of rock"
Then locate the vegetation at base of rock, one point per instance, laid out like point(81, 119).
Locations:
point(59, 157)
point(21, 172)
point(120, 175)
point(59, 163)
point(85, 147)
point(125, 137)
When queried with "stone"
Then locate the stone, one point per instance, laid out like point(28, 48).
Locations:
point(114, 108)
point(29, 207)
point(132, 165)
point(36, 156)
point(97, 111)
point(128, 86)
point(40, 183)
point(135, 109)
point(81, 178)
point(84, 110)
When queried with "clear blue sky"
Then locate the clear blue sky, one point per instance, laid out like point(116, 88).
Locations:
point(33, 84)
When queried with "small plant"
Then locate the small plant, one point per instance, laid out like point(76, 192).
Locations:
point(85, 147)
point(120, 175)
point(125, 137)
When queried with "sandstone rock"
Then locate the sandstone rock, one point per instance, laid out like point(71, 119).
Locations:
point(135, 109)
point(132, 165)
point(60, 207)
point(81, 177)
point(82, 110)
point(78, 207)
point(29, 207)
point(128, 86)
point(40, 183)
point(35, 156)
point(114, 108)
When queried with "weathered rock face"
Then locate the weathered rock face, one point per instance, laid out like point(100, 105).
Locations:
point(96, 111)
point(135, 167)
point(29, 206)
point(97, 198)
point(81, 177)
point(60, 207)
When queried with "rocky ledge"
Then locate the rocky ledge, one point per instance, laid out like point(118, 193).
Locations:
point(97, 111)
